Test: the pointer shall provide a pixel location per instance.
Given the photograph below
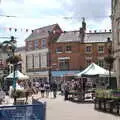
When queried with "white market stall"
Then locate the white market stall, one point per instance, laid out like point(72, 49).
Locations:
point(94, 70)
point(98, 75)
point(18, 75)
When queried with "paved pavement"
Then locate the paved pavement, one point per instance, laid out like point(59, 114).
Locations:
point(58, 109)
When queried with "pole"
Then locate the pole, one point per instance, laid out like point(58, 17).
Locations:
point(14, 78)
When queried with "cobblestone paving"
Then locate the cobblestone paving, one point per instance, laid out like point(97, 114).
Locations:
point(58, 109)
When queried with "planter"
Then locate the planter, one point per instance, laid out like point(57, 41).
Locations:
point(107, 106)
point(114, 110)
point(96, 104)
point(111, 106)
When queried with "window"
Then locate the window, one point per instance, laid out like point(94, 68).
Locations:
point(88, 62)
point(101, 49)
point(101, 63)
point(43, 43)
point(88, 49)
point(118, 33)
point(36, 61)
point(30, 46)
point(59, 50)
point(68, 49)
point(64, 64)
point(1, 61)
point(43, 60)
point(29, 61)
point(36, 44)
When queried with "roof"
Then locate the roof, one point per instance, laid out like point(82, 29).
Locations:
point(74, 36)
point(41, 32)
point(94, 70)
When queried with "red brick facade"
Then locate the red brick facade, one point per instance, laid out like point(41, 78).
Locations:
point(78, 56)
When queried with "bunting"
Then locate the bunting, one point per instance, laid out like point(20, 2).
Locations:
point(10, 29)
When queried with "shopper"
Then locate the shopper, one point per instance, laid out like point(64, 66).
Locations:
point(54, 89)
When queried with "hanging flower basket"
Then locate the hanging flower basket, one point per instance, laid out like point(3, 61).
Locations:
point(14, 59)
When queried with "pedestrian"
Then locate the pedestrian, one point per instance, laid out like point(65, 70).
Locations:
point(66, 92)
point(54, 89)
point(42, 89)
point(47, 89)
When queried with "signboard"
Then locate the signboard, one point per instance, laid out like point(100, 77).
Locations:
point(23, 112)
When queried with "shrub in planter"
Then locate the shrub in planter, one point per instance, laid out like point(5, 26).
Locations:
point(18, 94)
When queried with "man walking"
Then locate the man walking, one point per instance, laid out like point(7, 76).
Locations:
point(54, 89)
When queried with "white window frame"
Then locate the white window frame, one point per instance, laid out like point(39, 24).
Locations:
point(100, 51)
point(88, 51)
point(43, 44)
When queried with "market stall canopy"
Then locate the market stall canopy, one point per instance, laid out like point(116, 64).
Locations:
point(18, 75)
point(94, 70)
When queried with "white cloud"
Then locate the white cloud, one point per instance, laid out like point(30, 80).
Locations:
point(38, 13)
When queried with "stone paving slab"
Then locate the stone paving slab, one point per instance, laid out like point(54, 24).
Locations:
point(58, 109)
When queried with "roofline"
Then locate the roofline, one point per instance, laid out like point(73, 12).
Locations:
point(82, 42)
point(45, 26)
point(102, 32)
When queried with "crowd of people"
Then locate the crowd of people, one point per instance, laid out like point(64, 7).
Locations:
point(45, 88)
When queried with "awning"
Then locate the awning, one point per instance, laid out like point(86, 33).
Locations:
point(64, 73)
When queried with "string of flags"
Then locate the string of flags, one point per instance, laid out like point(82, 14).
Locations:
point(10, 29)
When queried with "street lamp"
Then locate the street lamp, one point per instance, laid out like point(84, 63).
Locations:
point(10, 46)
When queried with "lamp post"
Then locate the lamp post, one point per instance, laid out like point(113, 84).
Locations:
point(10, 46)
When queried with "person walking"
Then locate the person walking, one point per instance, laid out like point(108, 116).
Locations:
point(54, 89)
point(47, 89)
point(42, 89)
point(66, 91)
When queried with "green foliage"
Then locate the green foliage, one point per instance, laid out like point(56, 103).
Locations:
point(109, 59)
point(14, 59)
point(108, 94)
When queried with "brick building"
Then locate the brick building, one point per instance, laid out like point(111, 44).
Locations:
point(116, 37)
point(37, 51)
point(70, 55)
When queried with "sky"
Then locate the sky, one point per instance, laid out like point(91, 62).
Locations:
point(32, 14)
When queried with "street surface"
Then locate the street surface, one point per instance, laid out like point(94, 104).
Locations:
point(58, 109)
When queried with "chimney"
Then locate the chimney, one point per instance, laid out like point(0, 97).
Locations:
point(82, 30)
point(84, 24)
